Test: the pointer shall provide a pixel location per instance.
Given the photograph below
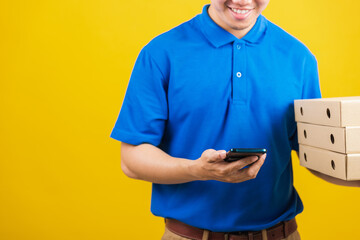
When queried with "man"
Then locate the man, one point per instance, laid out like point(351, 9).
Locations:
point(227, 78)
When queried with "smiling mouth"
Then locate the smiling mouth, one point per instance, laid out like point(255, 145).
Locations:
point(240, 11)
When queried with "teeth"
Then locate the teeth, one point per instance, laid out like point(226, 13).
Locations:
point(239, 11)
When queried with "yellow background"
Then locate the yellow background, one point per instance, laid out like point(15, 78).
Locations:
point(64, 68)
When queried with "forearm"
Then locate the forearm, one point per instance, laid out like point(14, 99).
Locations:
point(335, 180)
point(149, 163)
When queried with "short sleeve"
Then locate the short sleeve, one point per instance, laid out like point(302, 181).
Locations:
point(144, 110)
point(311, 84)
point(310, 89)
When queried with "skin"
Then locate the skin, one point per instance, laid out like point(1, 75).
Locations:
point(335, 180)
point(236, 24)
point(149, 163)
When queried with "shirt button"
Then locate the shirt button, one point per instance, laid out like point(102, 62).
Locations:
point(238, 46)
point(238, 74)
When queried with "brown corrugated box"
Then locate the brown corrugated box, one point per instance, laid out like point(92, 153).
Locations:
point(336, 112)
point(329, 135)
point(338, 139)
point(343, 166)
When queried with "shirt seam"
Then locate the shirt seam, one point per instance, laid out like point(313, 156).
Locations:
point(157, 65)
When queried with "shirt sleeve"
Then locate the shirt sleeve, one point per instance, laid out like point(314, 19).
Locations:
point(144, 110)
point(311, 89)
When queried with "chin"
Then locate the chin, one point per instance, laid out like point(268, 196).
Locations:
point(240, 27)
point(243, 25)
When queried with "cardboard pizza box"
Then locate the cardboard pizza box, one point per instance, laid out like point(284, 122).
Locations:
point(343, 166)
point(337, 112)
point(338, 139)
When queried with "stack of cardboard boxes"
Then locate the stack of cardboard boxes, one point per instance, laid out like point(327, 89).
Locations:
point(329, 135)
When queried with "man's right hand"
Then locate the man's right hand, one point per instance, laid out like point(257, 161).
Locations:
point(149, 163)
point(211, 166)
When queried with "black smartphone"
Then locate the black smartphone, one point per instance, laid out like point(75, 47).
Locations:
point(238, 153)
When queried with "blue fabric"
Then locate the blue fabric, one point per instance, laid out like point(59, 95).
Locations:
point(198, 87)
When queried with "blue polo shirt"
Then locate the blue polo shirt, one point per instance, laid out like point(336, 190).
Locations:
point(198, 87)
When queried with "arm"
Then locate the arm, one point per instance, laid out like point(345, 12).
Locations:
point(334, 180)
point(149, 163)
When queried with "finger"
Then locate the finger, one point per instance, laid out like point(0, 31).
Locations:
point(231, 171)
point(239, 164)
point(217, 156)
point(222, 154)
point(254, 168)
point(211, 155)
point(258, 164)
point(261, 160)
point(250, 172)
point(207, 154)
point(235, 172)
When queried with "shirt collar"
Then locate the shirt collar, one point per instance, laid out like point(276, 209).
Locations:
point(219, 37)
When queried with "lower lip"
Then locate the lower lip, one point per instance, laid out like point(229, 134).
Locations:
point(240, 16)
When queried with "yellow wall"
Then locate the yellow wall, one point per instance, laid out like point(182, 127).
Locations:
point(64, 68)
